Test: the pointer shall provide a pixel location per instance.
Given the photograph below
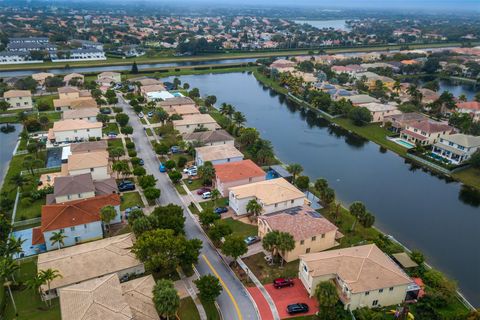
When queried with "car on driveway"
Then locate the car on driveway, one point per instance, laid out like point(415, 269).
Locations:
point(206, 195)
point(186, 170)
point(297, 308)
point(141, 115)
point(150, 114)
point(112, 135)
point(126, 186)
point(175, 149)
point(203, 190)
point(129, 210)
point(251, 240)
point(282, 283)
point(105, 111)
point(220, 210)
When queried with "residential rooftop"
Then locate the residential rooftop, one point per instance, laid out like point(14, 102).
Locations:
point(217, 152)
point(94, 159)
point(17, 93)
point(239, 170)
point(194, 119)
point(208, 136)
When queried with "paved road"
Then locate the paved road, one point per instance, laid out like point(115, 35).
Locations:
point(234, 301)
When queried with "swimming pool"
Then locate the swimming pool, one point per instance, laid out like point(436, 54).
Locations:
point(54, 157)
point(404, 143)
point(27, 247)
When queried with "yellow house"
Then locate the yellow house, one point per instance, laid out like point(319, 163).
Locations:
point(364, 276)
point(311, 231)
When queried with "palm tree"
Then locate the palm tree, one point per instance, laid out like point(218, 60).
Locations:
point(357, 209)
point(166, 298)
point(326, 295)
point(19, 181)
point(295, 169)
point(31, 164)
point(107, 214)
point(215, 194)
point(239, 118)
point(286, 243)
point(206, 173)
point(254, 208)
point(48, 275)
point(57, 238)
point(7, 269)
point(119, 167)
point(227, 109)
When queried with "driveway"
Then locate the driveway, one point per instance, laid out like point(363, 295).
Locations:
point(234, 300)
point(289, 295)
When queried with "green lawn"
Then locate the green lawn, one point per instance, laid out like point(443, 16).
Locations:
point(175, 157)
point(196, 184)
point(213, 204)
point(241, 228)
point(46, 99)
point(269, 82)
point(29, 304)
point(211, 311)
point(180, 189)
point(188, 310)
point(110, 127)
point(10, 119)
point(115, 143)
point(267, 273)
point(131, 199)
point(29, 210)
point(469, 176)
point(149, 132)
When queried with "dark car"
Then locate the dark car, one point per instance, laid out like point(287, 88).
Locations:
point(203, 190)
point(282, 282)
point(297, 308)
point(141, 162)
point(251, 240)
point(105, 111)
point(126, 186)
point(220, 210)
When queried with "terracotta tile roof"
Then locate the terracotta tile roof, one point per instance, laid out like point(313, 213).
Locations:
point(184, 110)
point(301, 222)
point(88, 146)
point(60, 103)
point(41, 76)
point(107, 186)
point(175, 101)
point(17, 93)
point(68, 89)
point(70, 124)
point(37, 236)
point(78, 212)
point(89, 260)
point(414, 134)
point(430, 126)
point(362, 268)
point(93, 159)
point(152, 88)
point(84, 102)
point(268, 191)
point(149, 82)
point(238, 170)
point(100, 298)
point(470, 105)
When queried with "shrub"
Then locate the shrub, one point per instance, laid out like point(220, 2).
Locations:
point(43, 106)
point(170, 164)
point(175, 176)
point(132, 153)
point(117, 109)
point(27, 201)
point(135, 161)
point(181, 162)
point(139, 171)
point(130, 145)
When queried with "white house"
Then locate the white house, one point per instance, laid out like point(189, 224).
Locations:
point(456, 148)
point(273, 195)
point(217, 154)
point(379, 110)
point(19, 99)
point(195, 122)
point(95, 162)
point(79, 221)
point(74, 130)
point(364, 276)
point(83, 55)
point(7, 57)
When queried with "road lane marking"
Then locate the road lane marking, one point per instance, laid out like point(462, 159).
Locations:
point(224, 286)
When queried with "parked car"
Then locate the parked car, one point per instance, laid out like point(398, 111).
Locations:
point(141, 162)
point(220, 210)
point(206, 195)
point(282, 282)
point(129, 210)
point(203, 190)
point(175, 149)
point(186, 170)
point(297, 308)
point(141, 115)
point(251, 240)
point(192, 172)
point(112, 135)
point(105, 111)
point(162, 168)
point(126, 186)
point(150, 114)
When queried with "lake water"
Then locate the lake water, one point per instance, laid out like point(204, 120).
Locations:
point(321, 24)
point(424, 212)
point(7, 145)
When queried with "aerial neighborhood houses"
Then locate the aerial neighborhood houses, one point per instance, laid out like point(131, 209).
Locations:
point(18, 99)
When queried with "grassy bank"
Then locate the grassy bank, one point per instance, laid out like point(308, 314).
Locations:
point(169, 58)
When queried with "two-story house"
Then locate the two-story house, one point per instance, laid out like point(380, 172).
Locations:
point(95, 163)
point(18, 99)
point(217, 154)
point(232, 174)
point(195, 122)
point(74, 130)
point(426, 132)
point(310, 230)
point(471, 107)
point(79, 221)
point(209, 138)
point(273, 195)
point(456, 148)
point(379, 110)
point(363, 275)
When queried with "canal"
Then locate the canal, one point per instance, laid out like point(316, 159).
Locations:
point(419, 209)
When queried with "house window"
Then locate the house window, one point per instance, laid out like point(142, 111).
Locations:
point(75, 131)
point(323, 235)
point(380, 291)
point(85, 226)
point(249, 179)
point(79, 195)
point(62, 230)
point(276, 205)
point(188, 126)
point(305, 268)
point(291, 201)
point(391, 289)
point(88, 130)
point(302, 242)
point(68, 196)
point(367, 293)
point(91, 169)
point(307, 250)
point(314, 238)
point(72, 228)
point(374, 302)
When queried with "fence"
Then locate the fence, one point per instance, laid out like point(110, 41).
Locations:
point(26, 222)
point(429, 164)
point(42, 170)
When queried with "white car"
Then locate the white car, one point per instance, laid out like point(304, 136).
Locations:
point(206, 195)
point(141, 115)
point(192, 172)
point(187, 170)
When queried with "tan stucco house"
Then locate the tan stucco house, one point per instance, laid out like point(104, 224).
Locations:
point(18, 99)
point(194, 122)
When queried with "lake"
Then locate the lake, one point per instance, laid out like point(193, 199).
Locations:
point(322, 24)
point(419, 209)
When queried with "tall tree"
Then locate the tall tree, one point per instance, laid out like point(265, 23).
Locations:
point(286, 243)
point(7, 268)
point(58, 238)
point(107, 214)
point(234, 246)
point(134, 69)
point(209, 287)
point(294, 169)
point(47, 276)
point(166, 298)
point(327, 296)
point(254, 208)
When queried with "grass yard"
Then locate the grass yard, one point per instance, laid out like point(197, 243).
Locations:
point(29, 210)
point(241, 228)
point(110, 127)
point(267, 273)
point(29, 304)
point(269, 82)
point(176, 156)
point(10, 119)
point(131, 199)
point(180, 189)
point(46, 99)
point(211, 311)
point(196, 184)
point(115, 143)
point(52, 116)
point(188, 310)
point(149, 132)
point(221, 202)
point(469, 176)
